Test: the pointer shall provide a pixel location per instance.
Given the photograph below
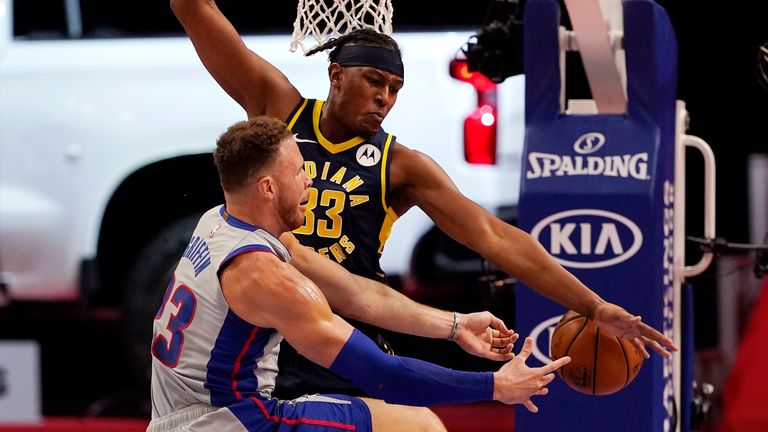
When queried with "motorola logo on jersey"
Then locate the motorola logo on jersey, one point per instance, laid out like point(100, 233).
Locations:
point(542, 338)
point(543, 165)
point(588, 238)
point(368, 155)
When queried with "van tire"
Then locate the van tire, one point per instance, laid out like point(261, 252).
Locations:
point(144, 288)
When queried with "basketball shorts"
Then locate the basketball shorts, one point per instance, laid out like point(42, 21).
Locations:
point(316, 413)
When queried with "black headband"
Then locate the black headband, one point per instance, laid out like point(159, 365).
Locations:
point(383, 58)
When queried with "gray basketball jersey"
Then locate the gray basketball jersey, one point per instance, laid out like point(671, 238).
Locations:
point(202, 352)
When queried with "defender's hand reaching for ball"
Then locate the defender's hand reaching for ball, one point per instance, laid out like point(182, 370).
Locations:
point(618, 322)
point(515, 382)
point(485, 335)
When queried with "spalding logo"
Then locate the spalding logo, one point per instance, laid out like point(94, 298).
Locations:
point(589, 143)
point(588, 238)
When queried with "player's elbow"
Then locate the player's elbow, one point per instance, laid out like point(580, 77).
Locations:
point(323, 344)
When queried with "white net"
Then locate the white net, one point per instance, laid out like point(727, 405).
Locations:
point(325, 19)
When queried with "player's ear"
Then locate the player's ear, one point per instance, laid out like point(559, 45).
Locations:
point(266, 187)
point(335, 72)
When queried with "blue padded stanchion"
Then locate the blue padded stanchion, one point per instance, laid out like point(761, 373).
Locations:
point(598, 193)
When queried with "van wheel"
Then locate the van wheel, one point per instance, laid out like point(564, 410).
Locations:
point(144, 288)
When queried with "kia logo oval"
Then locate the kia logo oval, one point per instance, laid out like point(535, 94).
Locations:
point(542, 339)
point(588, 238)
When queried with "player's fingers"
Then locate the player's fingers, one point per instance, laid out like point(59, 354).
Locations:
point(542, 391)
point(651, 333)
point(499, 325)
point(546, 379)
point(502, 341)
point(640, 346)
point(557, 364)
point(504, 338)
point(527, 348)
point(657, 347)
point(531, 407)
point(492, 352)
point(497, 334)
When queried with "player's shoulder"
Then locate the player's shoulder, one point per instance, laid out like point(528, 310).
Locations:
point(254, 260)
point(410, 165)
point(407, 154)
point(257, 270)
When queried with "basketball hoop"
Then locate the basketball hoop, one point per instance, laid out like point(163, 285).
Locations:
point(325, 19)
point(762, 65)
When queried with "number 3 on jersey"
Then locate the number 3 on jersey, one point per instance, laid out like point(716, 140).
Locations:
point(333, 200)
point(175, 314)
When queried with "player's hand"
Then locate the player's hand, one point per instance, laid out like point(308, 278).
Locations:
point(618, 322)
point(515, 382)
point(485, 335)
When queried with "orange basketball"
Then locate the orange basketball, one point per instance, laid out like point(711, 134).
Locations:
point(600, 364)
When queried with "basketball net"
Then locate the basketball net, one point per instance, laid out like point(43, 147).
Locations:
point(325, 19)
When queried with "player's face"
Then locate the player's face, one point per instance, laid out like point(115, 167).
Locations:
point(294, 186)
point(366, 95)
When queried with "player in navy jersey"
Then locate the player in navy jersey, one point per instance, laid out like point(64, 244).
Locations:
point(339, 136)
point(234, 296)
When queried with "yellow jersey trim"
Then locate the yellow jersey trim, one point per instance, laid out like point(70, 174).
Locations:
point(298, 113)
point(331, 147)
point(391, 216)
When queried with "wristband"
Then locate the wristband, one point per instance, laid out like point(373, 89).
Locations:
point(455, 328)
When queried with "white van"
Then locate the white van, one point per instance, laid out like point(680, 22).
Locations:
point(107, 124)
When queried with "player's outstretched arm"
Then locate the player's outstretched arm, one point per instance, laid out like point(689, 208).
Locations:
point(269, 293)
point(481, 334)
point(418, 180)
point(259, 87)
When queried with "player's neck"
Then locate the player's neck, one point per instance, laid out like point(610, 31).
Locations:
point(331, 126)
point(261, 214)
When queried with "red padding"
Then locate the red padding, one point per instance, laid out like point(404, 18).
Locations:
point(68, 424)
point(745, 398)
point(477, 417)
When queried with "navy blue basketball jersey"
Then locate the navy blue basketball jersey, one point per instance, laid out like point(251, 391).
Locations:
point(348, 218)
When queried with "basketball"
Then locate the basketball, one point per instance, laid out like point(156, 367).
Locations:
point(600, 364)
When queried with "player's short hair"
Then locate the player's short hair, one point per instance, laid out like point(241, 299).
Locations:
point(246, 148)
point(363, 36)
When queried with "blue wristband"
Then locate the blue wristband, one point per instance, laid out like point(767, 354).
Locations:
point(407, 381)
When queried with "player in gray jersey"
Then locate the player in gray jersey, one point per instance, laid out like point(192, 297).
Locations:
point(234, 296)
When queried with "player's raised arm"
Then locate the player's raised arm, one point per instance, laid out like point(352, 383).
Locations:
point(259, 87)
